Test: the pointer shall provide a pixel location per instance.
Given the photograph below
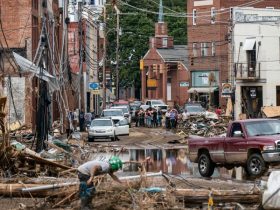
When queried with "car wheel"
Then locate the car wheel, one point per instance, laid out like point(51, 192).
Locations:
point(90, 139)
point(256, 166)
point(205, 165)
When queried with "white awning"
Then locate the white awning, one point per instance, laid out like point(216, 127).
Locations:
point(249, 44)
point(202, 90)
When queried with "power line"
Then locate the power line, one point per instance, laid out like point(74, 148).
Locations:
point(187, 15)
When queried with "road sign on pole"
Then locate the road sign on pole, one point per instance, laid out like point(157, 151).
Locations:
point(94, 86)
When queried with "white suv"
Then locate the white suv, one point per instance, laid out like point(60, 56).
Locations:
point(125, 111)
point(104, 128)
point(155, 103)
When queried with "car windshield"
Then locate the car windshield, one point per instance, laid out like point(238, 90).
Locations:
point(95, 123)
point(263, 128)
point(157, 103)
point(194, 109)
point(112, 113)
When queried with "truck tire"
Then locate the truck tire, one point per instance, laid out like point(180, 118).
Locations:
point(255, 166)
point(205, 165)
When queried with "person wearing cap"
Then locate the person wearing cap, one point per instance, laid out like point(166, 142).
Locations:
point(87, 172)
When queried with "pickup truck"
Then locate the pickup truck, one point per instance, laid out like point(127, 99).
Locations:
point(155, 103)
point(253, 144)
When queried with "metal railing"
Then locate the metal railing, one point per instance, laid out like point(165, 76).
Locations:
point(247, 70)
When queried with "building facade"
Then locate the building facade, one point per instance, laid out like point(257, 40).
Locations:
point(209, 49)
point(256, 56)
point(15, 36)
point(164, 73)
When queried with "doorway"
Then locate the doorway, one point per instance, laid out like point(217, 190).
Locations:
point(277, 95)
point(252, 101)
point(169, 89)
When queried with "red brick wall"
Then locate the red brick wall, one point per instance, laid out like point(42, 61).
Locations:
point(16, 22)
point(179, 94)
point(73, 46)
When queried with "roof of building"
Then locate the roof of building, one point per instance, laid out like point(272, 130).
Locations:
point(178, 53)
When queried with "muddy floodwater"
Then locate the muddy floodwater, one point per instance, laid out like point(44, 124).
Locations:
point(173, 161)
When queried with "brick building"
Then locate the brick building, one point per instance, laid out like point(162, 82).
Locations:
point(209, 48)
point(164, 72)
point(15, 36)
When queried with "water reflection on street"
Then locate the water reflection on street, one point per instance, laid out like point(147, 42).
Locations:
point(168, 160)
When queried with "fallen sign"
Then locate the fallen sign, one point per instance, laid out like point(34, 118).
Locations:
point(271, 111)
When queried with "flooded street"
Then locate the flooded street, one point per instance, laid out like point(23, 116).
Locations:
point(167, 152)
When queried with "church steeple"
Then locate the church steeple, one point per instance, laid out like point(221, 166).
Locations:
point(160, 14)
point(161, 38)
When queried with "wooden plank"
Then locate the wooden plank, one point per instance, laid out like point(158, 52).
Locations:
point(271, 111)
point(192, 196)
point(42, 160)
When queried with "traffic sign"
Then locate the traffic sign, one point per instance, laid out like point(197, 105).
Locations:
point(94, 85)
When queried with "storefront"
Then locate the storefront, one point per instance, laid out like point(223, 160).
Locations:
point(205, 87)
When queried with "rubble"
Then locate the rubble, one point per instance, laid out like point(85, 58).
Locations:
point(51, 176)
point(206, 126)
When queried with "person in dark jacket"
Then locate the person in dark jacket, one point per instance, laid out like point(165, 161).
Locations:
point(82, 120)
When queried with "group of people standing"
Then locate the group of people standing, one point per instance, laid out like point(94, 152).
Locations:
point(150, 118)
point(153, 118)
point(78, 118)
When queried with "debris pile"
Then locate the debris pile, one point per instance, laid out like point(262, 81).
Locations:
point(206, 126)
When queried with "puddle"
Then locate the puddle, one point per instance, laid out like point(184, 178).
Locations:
point(170, 161)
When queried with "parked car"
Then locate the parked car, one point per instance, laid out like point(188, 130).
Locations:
point(121, 103)
point(126, 113)
point(136, 103)
point(105, 128)
point(115, 114)
point(155, 103)
point(144, 107)
point(194, 109)
point(253, 144)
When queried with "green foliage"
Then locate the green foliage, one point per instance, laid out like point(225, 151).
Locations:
point(137, 27)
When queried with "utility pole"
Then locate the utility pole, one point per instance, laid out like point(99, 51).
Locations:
point(117, 51)
point(104, 59)
point(80, 4)
point(42, 115)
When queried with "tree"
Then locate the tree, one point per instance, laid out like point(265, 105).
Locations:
point(137, 26)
